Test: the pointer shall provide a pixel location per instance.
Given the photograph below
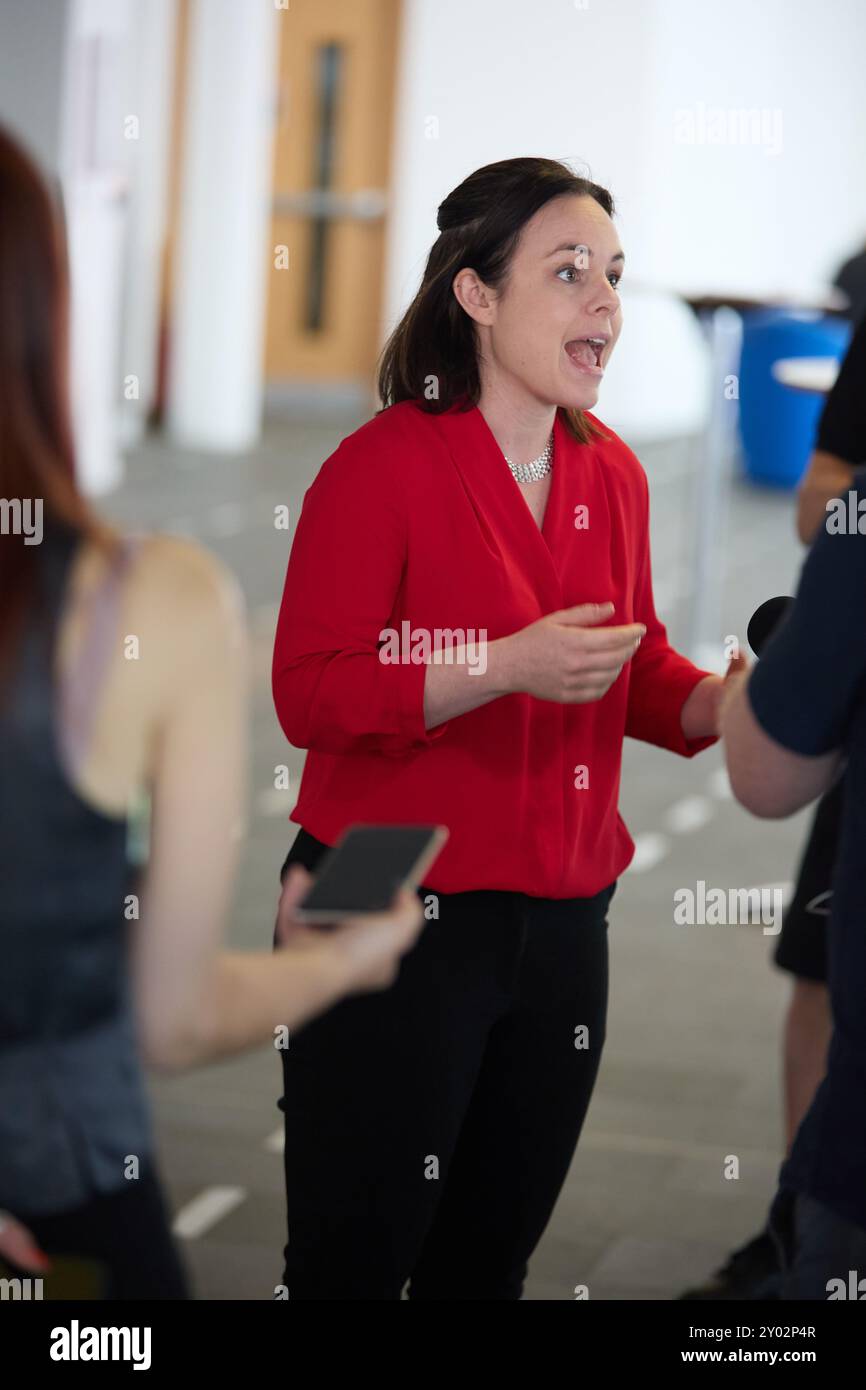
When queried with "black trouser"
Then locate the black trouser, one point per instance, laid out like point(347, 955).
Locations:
point(430, 1127)
point(801, 947)
point(118, 1245)
point(818, 1249)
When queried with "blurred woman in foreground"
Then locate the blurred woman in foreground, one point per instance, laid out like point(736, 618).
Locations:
point(121, 672)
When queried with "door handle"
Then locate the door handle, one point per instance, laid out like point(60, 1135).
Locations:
point(364, 205)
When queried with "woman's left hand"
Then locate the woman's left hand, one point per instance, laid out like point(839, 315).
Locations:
point(701, 711)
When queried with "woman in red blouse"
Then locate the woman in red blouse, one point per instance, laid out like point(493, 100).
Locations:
point(467, 634)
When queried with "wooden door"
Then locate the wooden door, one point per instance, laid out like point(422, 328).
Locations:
point(331, 166)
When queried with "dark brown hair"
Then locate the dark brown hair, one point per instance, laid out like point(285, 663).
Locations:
point(36, 450)
point(479, 226)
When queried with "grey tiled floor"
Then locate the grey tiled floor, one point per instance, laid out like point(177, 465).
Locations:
point(692, 1063)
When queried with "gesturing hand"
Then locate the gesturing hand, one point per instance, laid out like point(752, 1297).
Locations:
point(567, 657)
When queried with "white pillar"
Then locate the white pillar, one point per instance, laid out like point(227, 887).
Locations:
point(216, 341)
point(93, 164)
point(152, 59)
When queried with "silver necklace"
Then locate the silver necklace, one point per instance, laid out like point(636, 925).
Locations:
point(537, 469)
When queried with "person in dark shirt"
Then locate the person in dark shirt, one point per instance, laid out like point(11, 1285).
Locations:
point(751, 1271)
point(840, 447)
point(851, 280)
point(792, 727)
point(802, 945)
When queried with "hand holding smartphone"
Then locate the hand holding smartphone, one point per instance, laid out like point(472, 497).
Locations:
point(366, 868)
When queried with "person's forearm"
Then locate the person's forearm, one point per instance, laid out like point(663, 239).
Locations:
point(249, 995)
point(699, 714)
point(732, 690)
point(458, 687)
point(766, 778)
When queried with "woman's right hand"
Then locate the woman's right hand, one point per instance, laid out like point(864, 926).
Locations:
point(19, 1248)
point(368, 948)
point(567, 657)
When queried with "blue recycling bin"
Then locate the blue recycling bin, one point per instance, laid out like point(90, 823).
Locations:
point(778, 424)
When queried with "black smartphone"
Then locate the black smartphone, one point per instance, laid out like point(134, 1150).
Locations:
point(367, 866)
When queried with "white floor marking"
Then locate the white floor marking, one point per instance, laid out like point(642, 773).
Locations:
point(688, 814)
point(205, 1210)
point(276, 1142)
point(719, 784)
point(649, 849)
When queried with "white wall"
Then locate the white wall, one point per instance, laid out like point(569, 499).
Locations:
point(608, 85)
point(745, 214)
point(33, 40)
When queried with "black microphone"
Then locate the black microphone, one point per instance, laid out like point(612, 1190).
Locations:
point(765, 620)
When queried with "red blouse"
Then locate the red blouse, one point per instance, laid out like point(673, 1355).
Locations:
point(416, 518)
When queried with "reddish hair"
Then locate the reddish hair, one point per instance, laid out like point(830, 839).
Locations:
point(36, 448)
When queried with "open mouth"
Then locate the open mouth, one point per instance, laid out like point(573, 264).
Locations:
point(586, 352)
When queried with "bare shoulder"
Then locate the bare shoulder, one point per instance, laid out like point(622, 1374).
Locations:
point(179, 600)
point(183, 581)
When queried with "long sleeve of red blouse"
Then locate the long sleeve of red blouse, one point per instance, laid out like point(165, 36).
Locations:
point(331, 691)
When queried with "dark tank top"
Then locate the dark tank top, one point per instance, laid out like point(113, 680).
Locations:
point(73, 1107)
